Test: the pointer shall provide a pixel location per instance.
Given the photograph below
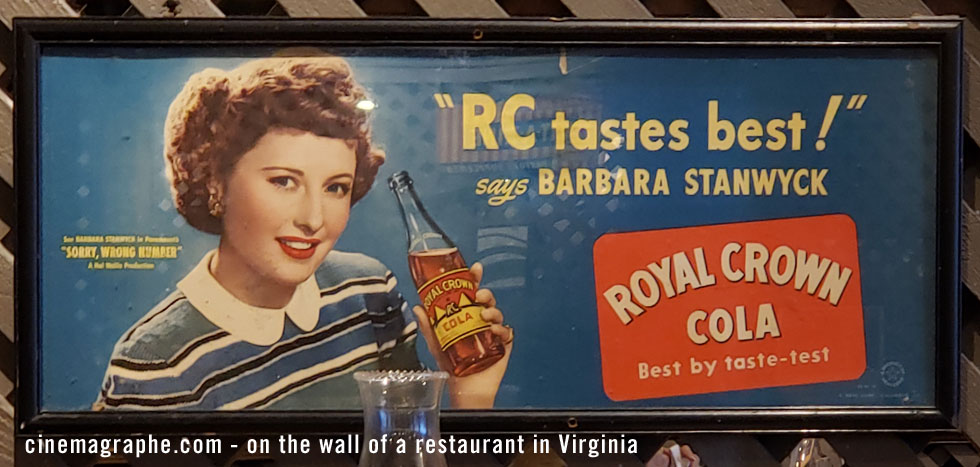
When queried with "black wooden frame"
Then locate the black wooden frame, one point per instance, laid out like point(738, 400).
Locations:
point(944, 36)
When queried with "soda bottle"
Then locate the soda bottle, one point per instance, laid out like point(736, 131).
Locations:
point(446, 287)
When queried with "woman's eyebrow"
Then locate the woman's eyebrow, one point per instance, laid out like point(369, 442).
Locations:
point(287, 169)
point(343, 175)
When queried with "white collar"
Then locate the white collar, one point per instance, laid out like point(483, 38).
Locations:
point(252, 324)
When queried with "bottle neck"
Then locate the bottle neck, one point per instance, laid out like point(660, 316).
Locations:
point(423, 233)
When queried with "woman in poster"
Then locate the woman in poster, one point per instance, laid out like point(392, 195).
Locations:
point(271, 156)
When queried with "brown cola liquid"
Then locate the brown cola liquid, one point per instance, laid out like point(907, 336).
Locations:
point(471, 354)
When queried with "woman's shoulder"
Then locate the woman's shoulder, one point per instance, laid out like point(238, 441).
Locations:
point(164, 330)
point(342, 266)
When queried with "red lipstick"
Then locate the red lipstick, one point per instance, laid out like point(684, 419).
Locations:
point(301, 248)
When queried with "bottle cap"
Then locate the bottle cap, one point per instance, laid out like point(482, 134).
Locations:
point(399, 179)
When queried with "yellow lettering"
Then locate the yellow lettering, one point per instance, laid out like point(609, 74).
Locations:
point(650, 134)
point(740, 182)
point(473, 121)
point(706, 179)
point(622, 184)
point(564, 183)
point(582, 143)
point(546, 181)
point(798, 187)
point(762, 181)
point(777, 139)
point(508, 123)
point(602, 185)
point(641, 177)
point(690, 176)
point(560, 125)
point(660, 186)
point(481, 186)
point(583, 177)
point(721, 184)
point(784, 179)
point(749, 132)
point(716, 126)
point(611, 139)
point(630, 125)
point(816, 182)
point(678, 133)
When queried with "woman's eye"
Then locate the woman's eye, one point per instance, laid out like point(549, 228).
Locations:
point(283, 182)
point(340, 189)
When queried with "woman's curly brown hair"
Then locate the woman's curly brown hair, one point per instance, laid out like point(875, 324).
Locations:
point(220, 115)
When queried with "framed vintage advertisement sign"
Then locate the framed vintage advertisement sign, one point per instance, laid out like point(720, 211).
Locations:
point(664, 225)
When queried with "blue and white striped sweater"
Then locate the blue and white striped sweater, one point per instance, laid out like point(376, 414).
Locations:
point(175, 358)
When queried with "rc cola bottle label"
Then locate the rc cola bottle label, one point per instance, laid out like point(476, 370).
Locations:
point(446, 287)
point(449, 298)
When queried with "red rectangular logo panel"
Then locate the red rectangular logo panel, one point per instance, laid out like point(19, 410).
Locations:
point(726, 307)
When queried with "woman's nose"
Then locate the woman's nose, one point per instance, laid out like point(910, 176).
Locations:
point(309, 214)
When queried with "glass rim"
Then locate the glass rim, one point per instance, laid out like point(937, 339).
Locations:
point(399, 376)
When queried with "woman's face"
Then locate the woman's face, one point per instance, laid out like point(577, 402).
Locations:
point(286, 203)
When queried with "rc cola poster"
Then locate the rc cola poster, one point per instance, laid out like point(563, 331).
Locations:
point(243, 229)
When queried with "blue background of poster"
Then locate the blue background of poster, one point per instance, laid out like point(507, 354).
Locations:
point(102, 173)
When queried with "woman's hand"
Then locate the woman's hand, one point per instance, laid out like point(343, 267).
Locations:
point(478, 390)
point(666, 457)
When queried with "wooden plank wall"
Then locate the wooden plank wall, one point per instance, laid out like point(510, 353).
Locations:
point(727, 450)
